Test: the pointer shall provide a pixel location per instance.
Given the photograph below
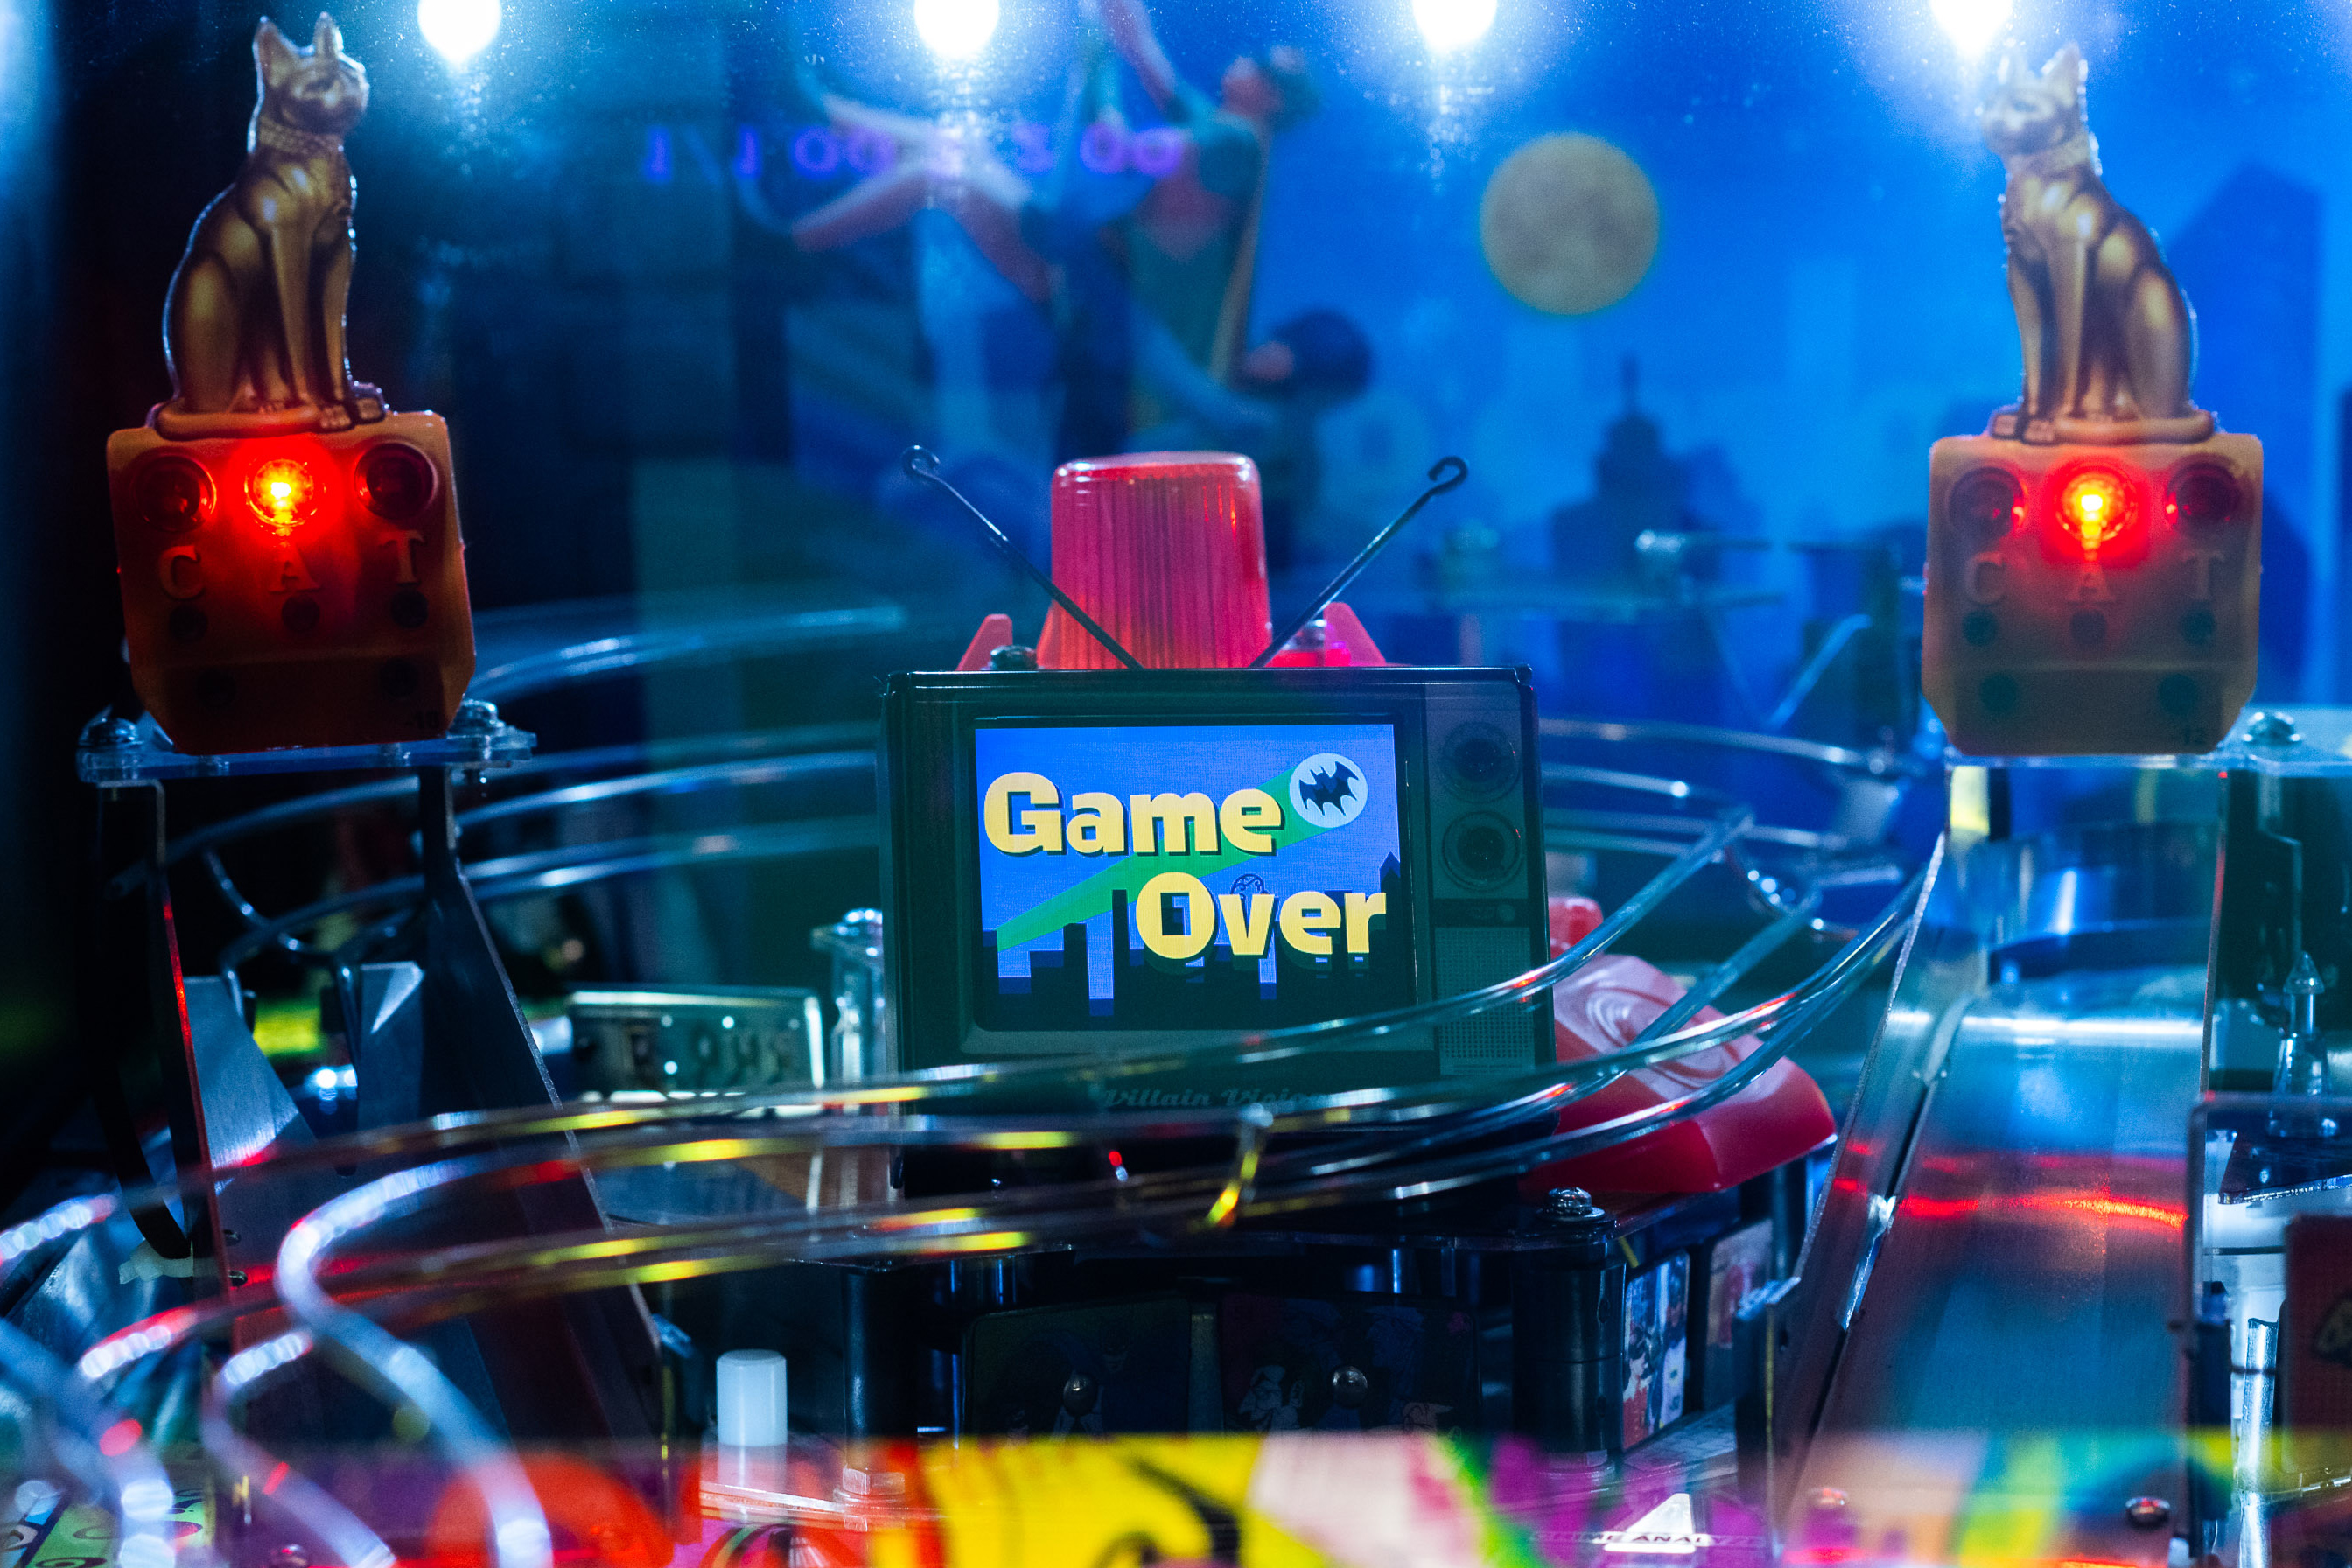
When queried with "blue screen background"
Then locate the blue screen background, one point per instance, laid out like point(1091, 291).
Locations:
point(1214, 758)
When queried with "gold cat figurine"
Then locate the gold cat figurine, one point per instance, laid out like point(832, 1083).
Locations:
point(2108, 337)
point(254, 327)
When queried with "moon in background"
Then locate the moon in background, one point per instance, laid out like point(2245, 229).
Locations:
point(1569, 223)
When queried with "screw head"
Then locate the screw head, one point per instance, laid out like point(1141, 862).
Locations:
point(109, 735)
point(2272, 729)
point(1349, 1387)
point(2147, 1513)
point(1826, 1499)
point(475, 717)
point(1568, 1203)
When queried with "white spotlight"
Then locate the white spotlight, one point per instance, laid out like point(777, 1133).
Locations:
point(458, 29)
point(1971, 24)
point(955, 29)
point(1451, 25)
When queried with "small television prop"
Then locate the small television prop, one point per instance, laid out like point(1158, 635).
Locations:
point(1091, 863)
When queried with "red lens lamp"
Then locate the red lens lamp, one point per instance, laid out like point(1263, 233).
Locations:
point(397, 482)
point(280, 490)
point(2204, 496)
point(172, 493)
point(2096, 514)
point(1989, 504)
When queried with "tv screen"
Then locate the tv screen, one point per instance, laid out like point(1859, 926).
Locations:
point(1176, 875)
point(1102, 864)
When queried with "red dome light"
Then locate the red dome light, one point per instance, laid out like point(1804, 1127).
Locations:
point(1168, 551)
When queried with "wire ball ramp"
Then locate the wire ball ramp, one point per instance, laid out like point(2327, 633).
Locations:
point(351, 1295)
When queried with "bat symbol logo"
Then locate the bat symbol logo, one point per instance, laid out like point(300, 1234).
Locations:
point(1328, 790)
point(1330, 786)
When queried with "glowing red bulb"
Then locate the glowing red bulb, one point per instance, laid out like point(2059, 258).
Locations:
point(2094, 514)
point(280, 490)
point(2093, 508)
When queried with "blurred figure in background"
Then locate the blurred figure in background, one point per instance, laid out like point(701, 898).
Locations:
point(952, 168)
point(1158, 228)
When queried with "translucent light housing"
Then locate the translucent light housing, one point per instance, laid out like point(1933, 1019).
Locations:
point(1167, 550)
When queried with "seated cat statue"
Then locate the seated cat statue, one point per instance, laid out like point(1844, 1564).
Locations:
point(2108, 337)
point(254, 327)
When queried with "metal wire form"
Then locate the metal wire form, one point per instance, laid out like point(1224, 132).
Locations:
point(1314, 1154)
point(351, 1294)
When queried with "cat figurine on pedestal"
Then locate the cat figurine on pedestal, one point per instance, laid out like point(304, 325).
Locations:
point(288, 550)
point(253, 326)
point(2107, 335)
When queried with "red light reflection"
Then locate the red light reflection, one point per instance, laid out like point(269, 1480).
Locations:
point(2115, 1210)
point(2112, 1210)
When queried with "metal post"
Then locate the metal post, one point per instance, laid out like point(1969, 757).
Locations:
point(2252, 1469)
point(859, 1046)
point(1567, 1332)
point(879, 1351)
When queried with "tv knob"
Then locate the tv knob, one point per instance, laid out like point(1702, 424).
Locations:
point(1481, 850)
point(1479, 760)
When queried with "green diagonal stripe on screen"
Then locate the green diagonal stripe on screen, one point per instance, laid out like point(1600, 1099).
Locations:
point(1075, 905)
